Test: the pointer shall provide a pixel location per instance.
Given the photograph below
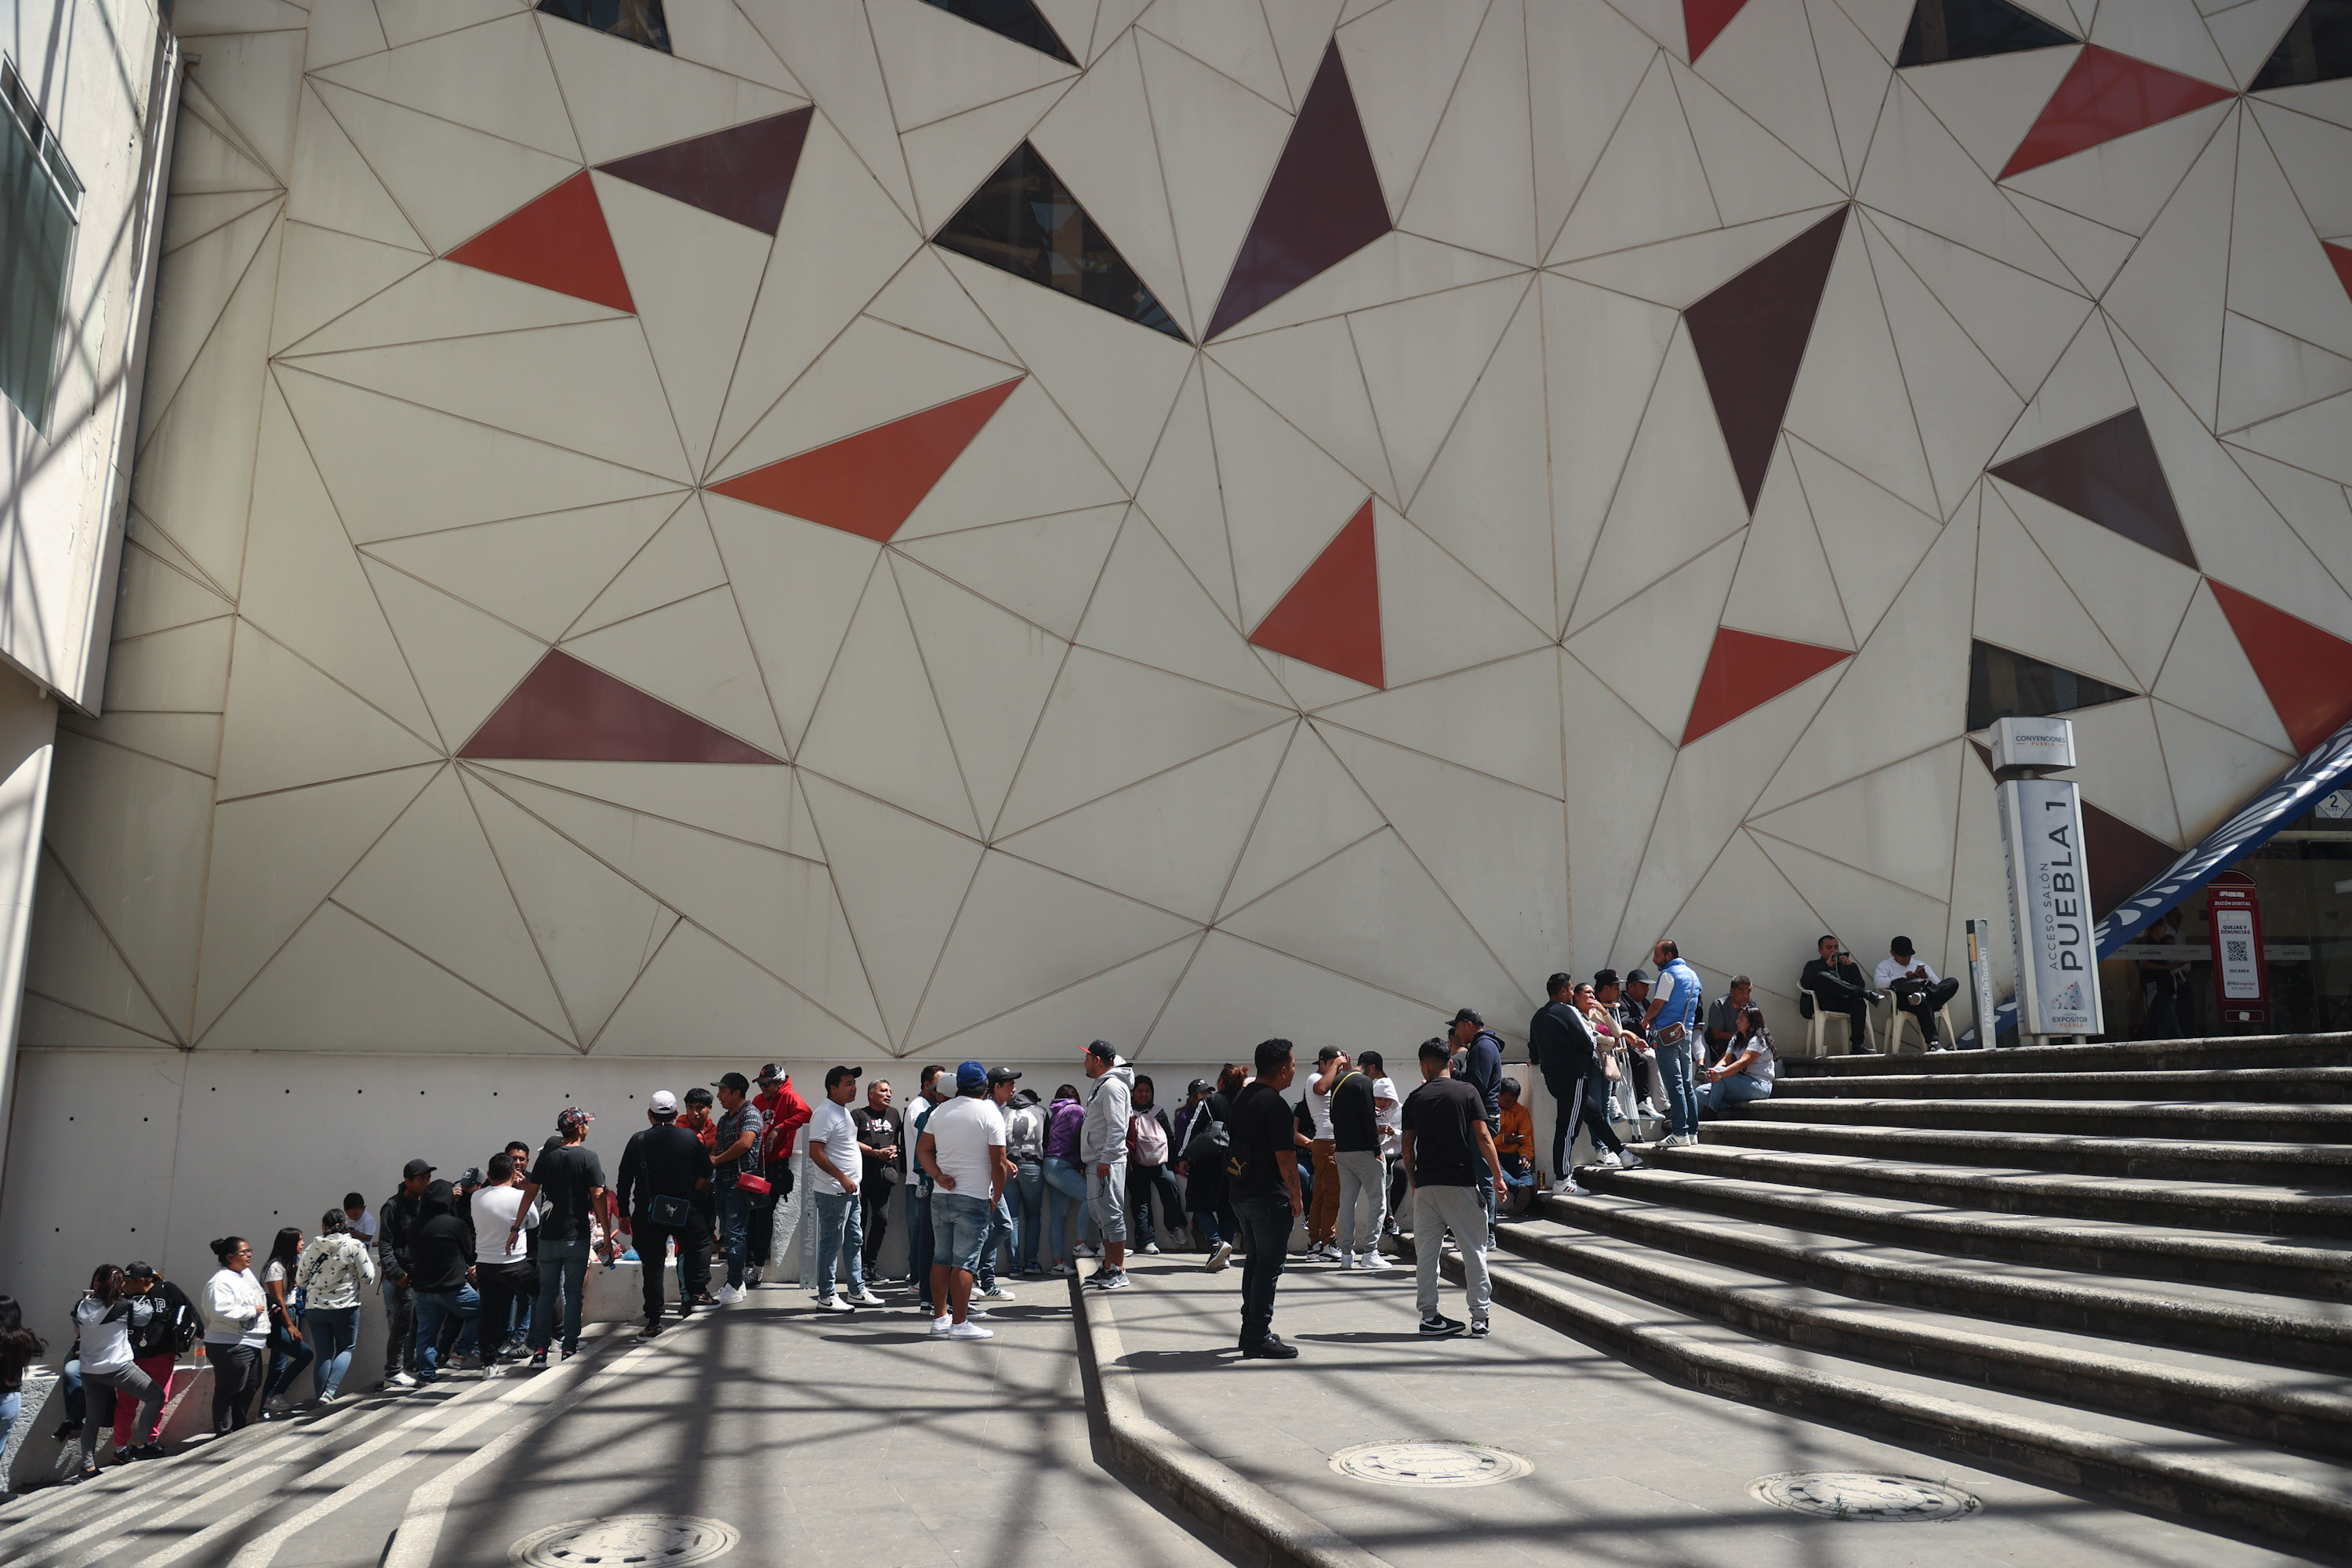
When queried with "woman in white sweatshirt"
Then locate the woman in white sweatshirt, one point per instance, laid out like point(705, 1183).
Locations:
point(237, 1331)
point(104, 1319)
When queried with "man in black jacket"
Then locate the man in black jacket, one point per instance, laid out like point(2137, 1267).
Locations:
point(157, 1343)
point(1837, 986)
point(1478, 1062)
point(664, 1170)
point(399, 1216)
point(1569, 1057)
point(440, 1260)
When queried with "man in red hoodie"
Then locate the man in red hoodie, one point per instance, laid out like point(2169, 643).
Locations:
point(785, 1113)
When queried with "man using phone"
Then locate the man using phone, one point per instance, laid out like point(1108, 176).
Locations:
point(1835, 981)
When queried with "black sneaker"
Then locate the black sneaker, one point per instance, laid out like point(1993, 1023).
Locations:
point(539, 1361)
point(1437, 1326)
point(1271, 1348)
point(653, 1326)
point(1478, 1330)
point(65, 1431)
point(1108, 1279)
point(145, 1451)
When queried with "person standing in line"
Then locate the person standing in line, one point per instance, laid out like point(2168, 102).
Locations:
point(1066, 1181)
point(1025, 1145)
point(236, 1330)
point(663, 1167)
point(503, 1270)
point(1102, 1149)
point(400, 1214)
point(1208, 1143)
point(1356, 1163)
point(104, 1321)
point(334, 1270)
point(695, 1115)
point(18, 1347)
point(962, 1151)
point(1670, 1025)
point(1560, 1038)
point(880, 1169)
point(571, 1179)
point(1001, 1229)
point(156, 1346)
point(1149, 1137)
point(1388, 1106)
point(359, 1220)
point(835, 1163)
point(1478, 1055)
point(1449, 1151)
point(1264, 1168)
point(933, 1094)
point(782, 1113)
point(441, 1263)
point(1323, 1204)
point(735, 1155)
point(289, 1351)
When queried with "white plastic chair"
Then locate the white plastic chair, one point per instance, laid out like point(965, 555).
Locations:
point(1819, 1021)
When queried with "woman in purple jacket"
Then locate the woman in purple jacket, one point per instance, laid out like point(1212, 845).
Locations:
point(1066, 1182)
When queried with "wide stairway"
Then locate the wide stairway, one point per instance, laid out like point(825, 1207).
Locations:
point(2121, 1269)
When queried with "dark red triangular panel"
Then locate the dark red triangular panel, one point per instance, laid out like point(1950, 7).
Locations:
point(1750, 337)
point(1331, 616)
point(869, 483)
point(1703, 19)
point(2307, 672)
point(743, 173)
point(2108, 473)
point(2341, 256)
point(2120, 859)
point(2105, 95)
point(565, 710)
point(1323, 205)
point(1747, 670)
point(559, 241)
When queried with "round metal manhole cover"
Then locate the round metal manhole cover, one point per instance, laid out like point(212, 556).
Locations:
point(1433, 1464)
point(649, 1539)
point(1862, 1497)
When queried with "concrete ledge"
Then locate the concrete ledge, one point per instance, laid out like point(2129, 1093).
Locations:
point(2157, 1056)
point(2278, 1086)
point(2310, 1518)
point(2156, 1158)
point(2326, 1125)
point(1242, 1519)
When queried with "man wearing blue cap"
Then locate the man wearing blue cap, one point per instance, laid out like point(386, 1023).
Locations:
point(962, 1151)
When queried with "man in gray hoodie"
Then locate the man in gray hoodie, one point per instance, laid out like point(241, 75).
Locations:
point(1102, 1149)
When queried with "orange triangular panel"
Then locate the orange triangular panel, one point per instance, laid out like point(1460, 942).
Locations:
point(1703, 19)
point(1331, 616)
point(2307, 672)
point(559, 241)
point(1747, 670)
point(870, 483)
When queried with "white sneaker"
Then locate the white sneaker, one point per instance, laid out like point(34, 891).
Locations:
point(1328, 1250)
point(866, 1298)
point(939, 1327)
point(1346, 1262)
point(1628, 1160)
point(1650, 1110)
point(969, 1331)
point(1151, 1249)
point(727, 1295)
point(1608, 1161)
point(997, 1293)
point(1569, 1188)
point(1088, 1249)
point(401, 1380)
point(976, 1315)
point(833, 1304)
point(1372, 1262)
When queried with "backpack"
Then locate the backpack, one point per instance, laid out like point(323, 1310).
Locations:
point(1205, 1134)
point(1147, 1135)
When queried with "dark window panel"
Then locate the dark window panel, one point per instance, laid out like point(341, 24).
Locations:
point(1018, 20)
point(1750, 336)
point(1025, 220)
point(742, 174)
point(2108, 473)
point(2005, 685)
point(40, 204)
point(2317, 47)
point(640, 21)
point(1970, 29)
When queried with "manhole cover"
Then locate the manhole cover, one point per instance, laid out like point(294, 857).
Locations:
point(668, 1540)
point(1428, 1463)
point(1864, 1499)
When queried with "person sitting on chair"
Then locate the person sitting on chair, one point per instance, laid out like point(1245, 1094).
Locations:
point(1916, 989)
point(1835, 981)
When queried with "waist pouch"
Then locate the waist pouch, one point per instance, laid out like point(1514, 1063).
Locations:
point(671, 1211)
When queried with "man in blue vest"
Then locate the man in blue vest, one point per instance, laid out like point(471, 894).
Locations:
point(1677, 1004)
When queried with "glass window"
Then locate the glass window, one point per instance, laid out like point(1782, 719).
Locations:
point(640, 21)
point(2005, 685)
point(2317, 47)
point(1970, 29)
point(1018, 20)
point(40, 202)
point(1025, 220)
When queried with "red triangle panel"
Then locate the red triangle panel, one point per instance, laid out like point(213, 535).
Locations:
point(558, 241)
point(1750, 333)
point(2341, 256)
point(1331, 616)
point(870, 483)
point(2307, 672)
point(1747, 670)
point(2102, 96)
point(565, 710)
point(1703, 19)
point(2120, 859)
point(742, 174)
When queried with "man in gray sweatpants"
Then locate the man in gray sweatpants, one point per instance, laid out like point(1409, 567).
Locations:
point(1450, 1153)
point(1102, 1152)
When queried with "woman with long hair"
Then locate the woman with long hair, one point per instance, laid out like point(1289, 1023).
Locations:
point(288, 1353)
point(1065, 1184)
point(1746, 1071)
point(105, 1319)
point(335, 1271)
point(236, 1331)
point(1202, 1164)
point(19, 1346)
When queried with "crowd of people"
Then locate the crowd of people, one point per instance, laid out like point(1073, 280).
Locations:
point(989, 1179)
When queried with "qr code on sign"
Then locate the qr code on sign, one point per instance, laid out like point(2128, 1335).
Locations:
point(2235, 950)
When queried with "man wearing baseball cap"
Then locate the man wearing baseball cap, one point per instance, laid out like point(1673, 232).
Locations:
point(785, 1113)
point(663, 1170)
point(735, 1153)
point(962, 1150)
point(401, 1213)
point(835, 1173)
point(1001, 1228)
point(571, 1179)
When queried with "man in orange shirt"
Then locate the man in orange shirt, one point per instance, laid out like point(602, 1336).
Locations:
point(1516, 1144)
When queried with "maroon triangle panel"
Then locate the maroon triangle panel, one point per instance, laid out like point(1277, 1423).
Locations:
point(2120, 859)
point(743, 173)
point(568, 712)
point(1323, 205)
point(2108, 473)
point(1750, 335)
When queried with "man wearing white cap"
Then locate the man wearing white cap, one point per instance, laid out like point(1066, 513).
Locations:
point(662, 1170)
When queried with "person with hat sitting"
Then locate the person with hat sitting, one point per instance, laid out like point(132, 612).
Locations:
point(962, 1151)
point(1916, 989)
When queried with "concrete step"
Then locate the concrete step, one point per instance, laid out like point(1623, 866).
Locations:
point(2277, 1085)
point(2320, 1271)
point(2256, 1327)
point(2271, 1210)
point(2249, 1401)
point(2125, 1056)
point(2327, 1167)
point(2309, 1124)
point(2301, 1502)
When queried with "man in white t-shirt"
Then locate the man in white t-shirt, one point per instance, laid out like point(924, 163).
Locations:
point(504, 1271)
point(833, 1168)
point(962, 1150)
point(1323, 1213)
point(1915, 987)
point(1388, 1107)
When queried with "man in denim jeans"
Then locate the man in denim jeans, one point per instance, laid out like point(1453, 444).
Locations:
point(833, 1168)
point(1676, 1003)
point(735, 1153)
point(962, 1151)
point(571, 1179)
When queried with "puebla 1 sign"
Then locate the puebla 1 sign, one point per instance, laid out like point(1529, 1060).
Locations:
point(2049, 908)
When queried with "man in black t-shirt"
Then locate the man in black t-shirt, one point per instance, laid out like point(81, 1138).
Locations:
point(1263, 1168)
point(1451, 1152)
point(1356, 1155)
point(571, 1179)
point(880, 1147)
